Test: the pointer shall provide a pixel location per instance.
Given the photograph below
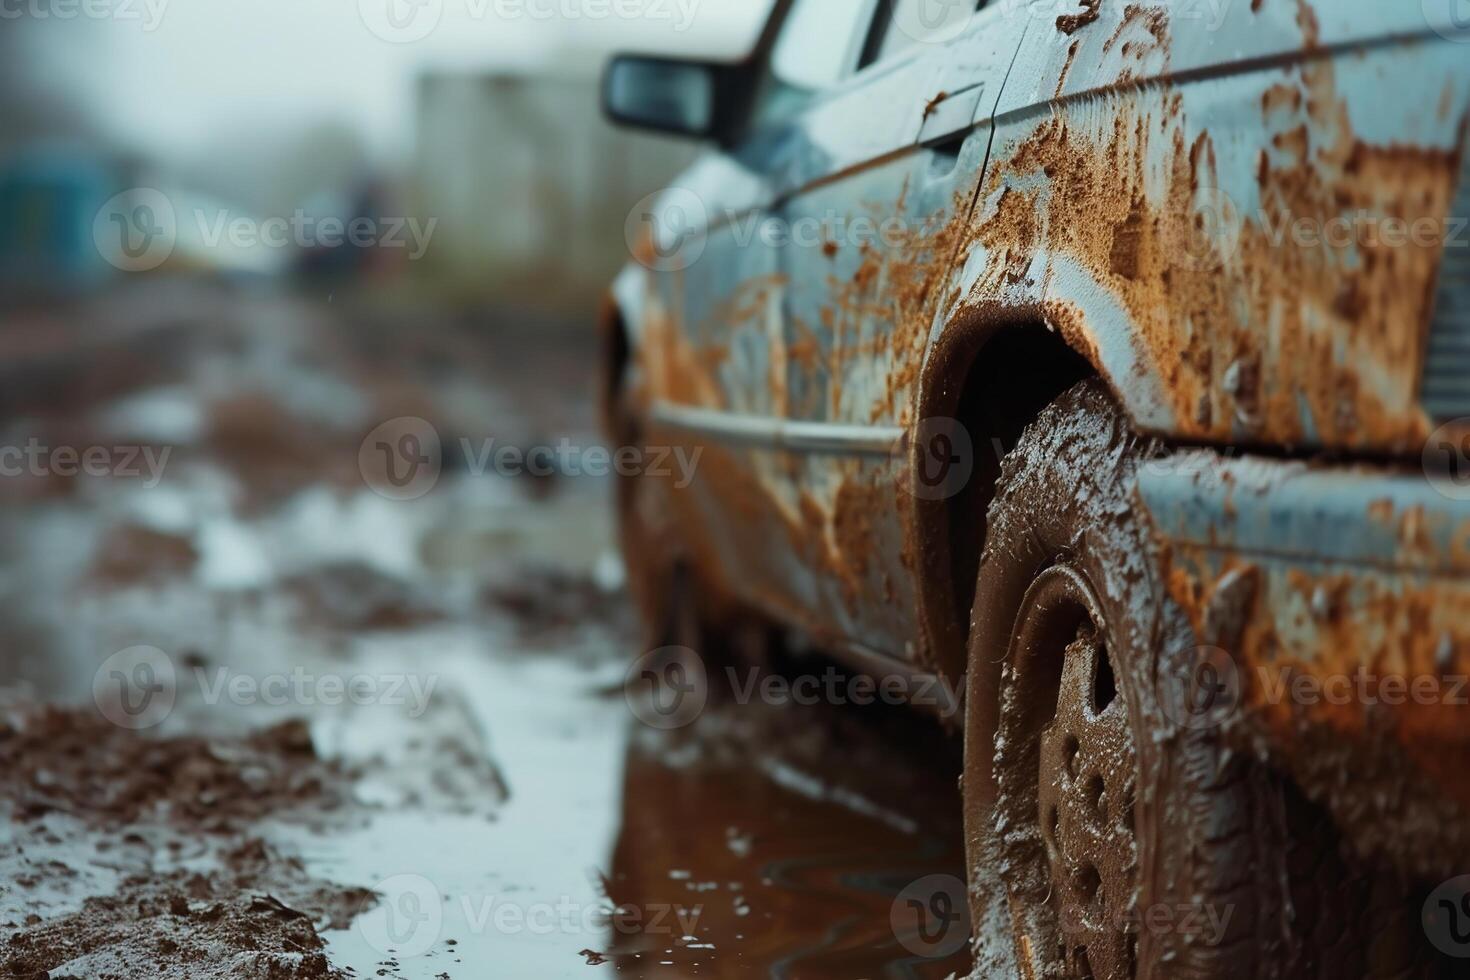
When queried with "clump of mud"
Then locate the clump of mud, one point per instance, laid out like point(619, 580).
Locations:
point(548, 602)
point(75, 762)
point(193, 926)
point(196, 895)
point(352, 595)
point(275, 453)
point(131, 554)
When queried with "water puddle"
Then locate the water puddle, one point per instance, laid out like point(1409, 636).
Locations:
point(619, 849)
point(510, 811)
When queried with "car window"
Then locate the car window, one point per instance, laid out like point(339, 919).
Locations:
point(817, 44)
point(900, 24)
point(817, 47)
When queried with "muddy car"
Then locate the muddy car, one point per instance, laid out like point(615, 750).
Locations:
point(1107, 364)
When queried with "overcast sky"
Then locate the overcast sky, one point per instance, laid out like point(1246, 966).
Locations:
point(174, 77)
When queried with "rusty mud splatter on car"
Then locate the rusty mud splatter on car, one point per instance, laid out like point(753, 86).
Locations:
point(1257, 324)
point(1349, 669)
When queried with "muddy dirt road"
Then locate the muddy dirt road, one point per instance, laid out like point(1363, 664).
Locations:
point(260, 718)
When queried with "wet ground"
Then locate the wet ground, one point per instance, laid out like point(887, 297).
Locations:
point(259, 718)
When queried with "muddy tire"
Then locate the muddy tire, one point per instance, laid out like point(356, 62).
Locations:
point(1130, 842)
point(674, 609)
point(647, 538)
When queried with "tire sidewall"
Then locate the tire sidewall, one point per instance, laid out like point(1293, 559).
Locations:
point(1067, 497)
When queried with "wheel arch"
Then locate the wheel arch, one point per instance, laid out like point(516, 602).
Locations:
point(619, 329)
point(994, 369)
point(614, 355)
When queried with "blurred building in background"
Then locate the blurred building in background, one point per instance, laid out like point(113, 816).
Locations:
point(199, 115)
point(531, 188)
point(49, 198)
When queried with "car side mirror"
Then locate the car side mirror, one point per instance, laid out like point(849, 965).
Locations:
point(662, 94)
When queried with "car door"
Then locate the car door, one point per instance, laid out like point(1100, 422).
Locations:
point(715, 325)
point(882, 178)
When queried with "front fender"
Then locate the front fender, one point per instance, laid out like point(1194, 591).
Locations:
point(1233, 244)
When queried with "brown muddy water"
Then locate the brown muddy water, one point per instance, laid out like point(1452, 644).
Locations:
point(259, 719)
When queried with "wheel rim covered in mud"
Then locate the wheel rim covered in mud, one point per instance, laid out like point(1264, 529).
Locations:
point(1224, 872)
point(1085, 792)
point(1083, 777)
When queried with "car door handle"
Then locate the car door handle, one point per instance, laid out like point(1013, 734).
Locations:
point(949, 148)
point(947, 125)
point(949, 117)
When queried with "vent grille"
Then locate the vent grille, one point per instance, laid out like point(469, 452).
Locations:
point(1445, 391)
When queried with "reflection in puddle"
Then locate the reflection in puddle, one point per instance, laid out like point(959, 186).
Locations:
point(541, 829)
point(524, 824)
point(729, 849)
point(785, 883)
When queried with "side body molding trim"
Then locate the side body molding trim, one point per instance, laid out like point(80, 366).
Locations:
point(771, 433)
